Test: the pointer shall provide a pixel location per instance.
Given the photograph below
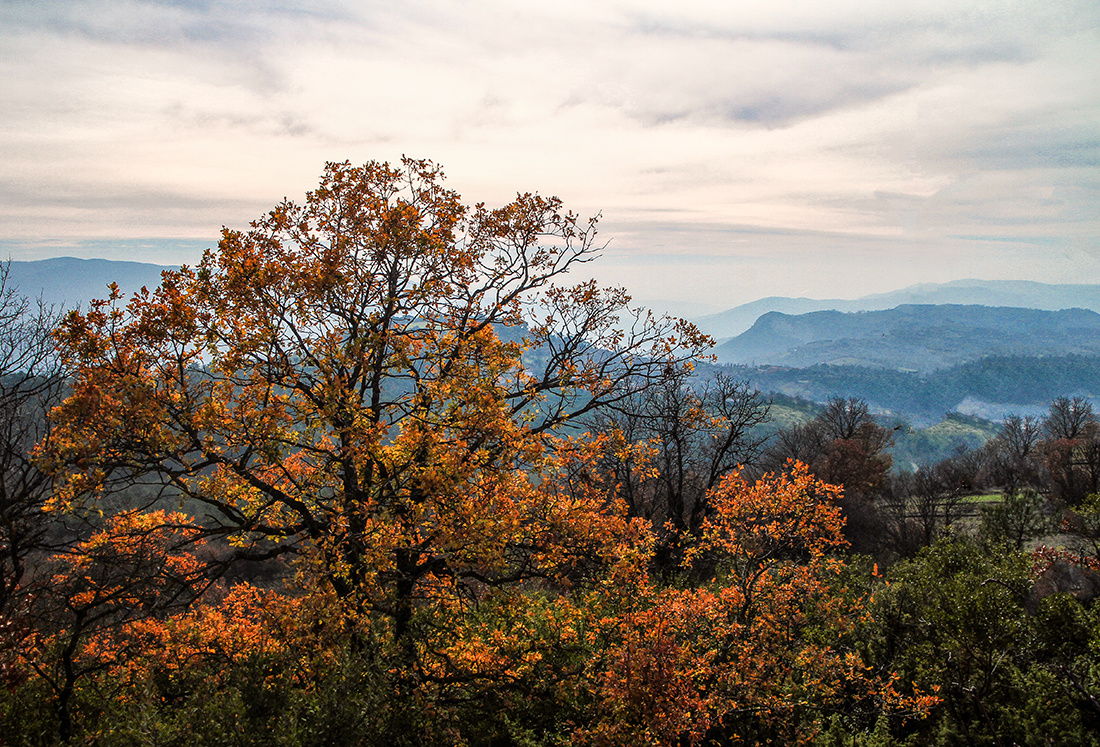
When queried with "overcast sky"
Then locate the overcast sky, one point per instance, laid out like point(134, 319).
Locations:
point(736, 149)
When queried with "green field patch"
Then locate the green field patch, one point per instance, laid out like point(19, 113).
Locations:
point(984, 498)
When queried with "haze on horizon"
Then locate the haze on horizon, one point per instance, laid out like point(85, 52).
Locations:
point(735, 150)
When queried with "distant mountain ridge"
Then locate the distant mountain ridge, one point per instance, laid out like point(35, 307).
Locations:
point(1008, 348)
point(915, 337)
point(69, 282)
point(1007, 293)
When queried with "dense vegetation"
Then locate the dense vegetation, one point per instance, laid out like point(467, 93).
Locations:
point(1014, 380)
point(368, 476)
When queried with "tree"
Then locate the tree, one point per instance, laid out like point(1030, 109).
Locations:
point(1072, 449)
point(855, 454)
point(1017, 519)
point(844, 446)
point(1069, 419)
point(372, 379)
point(760, 653)
point(690, 435)
point(1082, 525)
point(31, 383)
point(926, 502)
point(137, 566)
point(955, 620)
point(1015, 453)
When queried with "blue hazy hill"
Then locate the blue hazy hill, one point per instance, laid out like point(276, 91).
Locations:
point(915, 337)
point(1018, 293)
point(69, 282)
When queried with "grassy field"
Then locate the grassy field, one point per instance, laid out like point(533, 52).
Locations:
point(984, 498)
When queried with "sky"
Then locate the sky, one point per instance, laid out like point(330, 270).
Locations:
point(733, 149)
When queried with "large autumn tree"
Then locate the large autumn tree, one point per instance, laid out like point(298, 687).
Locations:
point(373, 379)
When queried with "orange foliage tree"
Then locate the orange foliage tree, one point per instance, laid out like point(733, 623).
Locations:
point(765, 652)
point(371, 379)
point(137, 566)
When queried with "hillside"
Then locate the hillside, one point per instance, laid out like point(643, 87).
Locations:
point(68, 282)
point(1017, 293)
point(989, 388)
point(926, 441)
point(919, 338)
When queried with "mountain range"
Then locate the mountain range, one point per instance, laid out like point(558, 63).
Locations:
point(69, 282)
point(1010, 293)
point(912, 337)
point(978, 347)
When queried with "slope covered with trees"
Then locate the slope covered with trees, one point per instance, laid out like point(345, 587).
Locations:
point(990, 387)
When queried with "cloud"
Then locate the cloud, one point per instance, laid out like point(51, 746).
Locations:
point(842, 122)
